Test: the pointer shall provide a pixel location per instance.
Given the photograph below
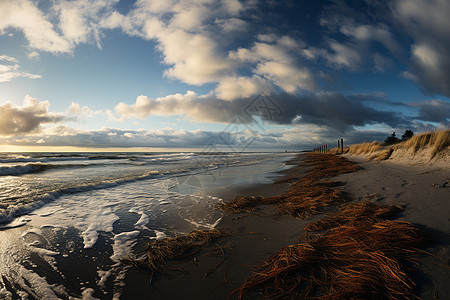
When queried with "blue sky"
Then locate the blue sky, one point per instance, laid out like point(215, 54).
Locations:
point(276, 75)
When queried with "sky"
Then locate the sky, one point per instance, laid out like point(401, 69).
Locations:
point(230, 75)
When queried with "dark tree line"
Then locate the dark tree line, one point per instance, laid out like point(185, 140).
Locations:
point(392, 139)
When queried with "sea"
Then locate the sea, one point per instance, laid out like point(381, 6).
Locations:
point(66, 219)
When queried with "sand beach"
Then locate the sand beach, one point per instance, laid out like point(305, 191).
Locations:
point(415, 189)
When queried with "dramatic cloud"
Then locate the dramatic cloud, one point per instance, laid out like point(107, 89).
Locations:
point(199, 108)
point(427, 22)
point(434, 111)
point(331, 110)
point(26, 118)
point(237, 50)
point(228, 139)
point(192, 37)
point(9, 69)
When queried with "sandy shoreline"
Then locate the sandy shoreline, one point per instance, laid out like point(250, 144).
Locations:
point(257, 236)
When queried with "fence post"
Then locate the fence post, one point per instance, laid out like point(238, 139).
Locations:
point(342, 145)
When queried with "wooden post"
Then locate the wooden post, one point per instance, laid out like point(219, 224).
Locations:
point(342, 145)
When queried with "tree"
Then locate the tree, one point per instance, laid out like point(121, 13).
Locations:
point(392, 139)
point(407, 135)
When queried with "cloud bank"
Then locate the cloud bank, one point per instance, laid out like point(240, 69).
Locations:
point(332, 110)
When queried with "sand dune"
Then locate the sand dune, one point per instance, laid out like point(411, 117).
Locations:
point(426, 148)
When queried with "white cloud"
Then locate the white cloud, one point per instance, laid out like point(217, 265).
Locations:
point(233, 6)
point(77, 109)
point(344, 55)
point(34, 55)
point(198, 108)
point(231, 88)
point(191, 36)
point(426, 56)
point(275, 60)
point(8, 58)
point(368, 33)
point(194, 57)
point(78, 22)
point(188, 36)
point(232, 24)
point(287, 76)
point(10, 71)
point(26, 16)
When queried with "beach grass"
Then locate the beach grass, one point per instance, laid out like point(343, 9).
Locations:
point(438, 141)
point(429, 144)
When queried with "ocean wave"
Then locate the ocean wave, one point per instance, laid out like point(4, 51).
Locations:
point(35, 167)
point(37, 199)
point(22, 169)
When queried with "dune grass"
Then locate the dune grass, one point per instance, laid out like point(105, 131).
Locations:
point(365, 148)
point(437, 142)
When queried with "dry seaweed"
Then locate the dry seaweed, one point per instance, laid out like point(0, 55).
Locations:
point(307, 196)
point(361, 261)
point(240, 204)
point(353, 213)
point(160, 252)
